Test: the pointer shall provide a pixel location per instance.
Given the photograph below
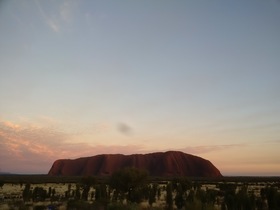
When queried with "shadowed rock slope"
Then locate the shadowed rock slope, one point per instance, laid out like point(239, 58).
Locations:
point(170, 163)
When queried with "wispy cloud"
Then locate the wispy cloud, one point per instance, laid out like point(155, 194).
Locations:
point(277, 141)
point(66, 10)
point(50, 21)
point(32, 149)
point(20, 146)
point(210, 148)
point(58, 17)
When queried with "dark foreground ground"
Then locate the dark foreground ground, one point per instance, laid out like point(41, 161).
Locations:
point(20, 192)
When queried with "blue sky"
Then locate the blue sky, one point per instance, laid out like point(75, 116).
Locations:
point(80, 78)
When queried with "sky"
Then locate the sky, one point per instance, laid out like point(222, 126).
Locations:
point(81, 78)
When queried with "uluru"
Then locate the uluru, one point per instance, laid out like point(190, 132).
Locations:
point(171, 163)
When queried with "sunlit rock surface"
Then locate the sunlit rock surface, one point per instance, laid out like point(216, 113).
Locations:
point(170, 163)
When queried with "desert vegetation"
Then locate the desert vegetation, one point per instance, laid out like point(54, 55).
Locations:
point(131, 188)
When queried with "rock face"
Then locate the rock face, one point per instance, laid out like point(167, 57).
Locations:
point(170, 163)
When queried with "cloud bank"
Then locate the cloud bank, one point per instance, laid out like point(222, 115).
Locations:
point(29, 148)
point(32, 149)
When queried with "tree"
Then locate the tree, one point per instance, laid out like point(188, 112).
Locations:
point(243, 200)
point(101, 194)
point(152, 189)
point(229, 195)
point(202, 197)
point(273, 198)
point(39, 194)
point(53, 193)
point(85, 192)
point(129, 182)
point(86, 183)
point(49, 192)
point(181, 185)
point(169, 196)
point(87, 180)
point(182, 182)
point(2, 183)
point(26, 193)
point(77, 192)
point(179, 198)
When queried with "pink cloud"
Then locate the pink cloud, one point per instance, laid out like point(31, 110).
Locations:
point(210, 148)
point(33, 149)
point(23, 147)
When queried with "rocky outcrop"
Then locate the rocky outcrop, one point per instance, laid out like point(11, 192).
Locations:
point(170, 163)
